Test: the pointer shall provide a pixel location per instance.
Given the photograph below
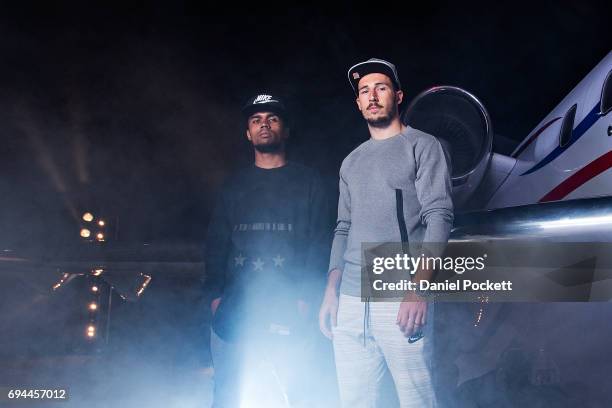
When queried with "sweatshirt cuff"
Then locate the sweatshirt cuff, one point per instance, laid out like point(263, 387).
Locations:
point(214, 293)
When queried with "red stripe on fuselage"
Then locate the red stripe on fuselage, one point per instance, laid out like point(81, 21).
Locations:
point(594, 168)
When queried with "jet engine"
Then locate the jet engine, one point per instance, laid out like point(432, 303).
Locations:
point(463, 127)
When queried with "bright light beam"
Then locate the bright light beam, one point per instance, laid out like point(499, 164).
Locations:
point(576, 222)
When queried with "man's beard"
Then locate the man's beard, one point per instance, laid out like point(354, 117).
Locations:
point(275, 147)
point(384, 121)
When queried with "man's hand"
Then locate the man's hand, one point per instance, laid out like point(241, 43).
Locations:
point(214, 305)
point(328, 313)
point(412, 314)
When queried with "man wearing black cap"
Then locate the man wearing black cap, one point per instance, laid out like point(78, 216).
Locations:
point(395, 187)
point(265, 248)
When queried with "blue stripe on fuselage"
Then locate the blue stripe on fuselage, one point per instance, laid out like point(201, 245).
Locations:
point(586, 123)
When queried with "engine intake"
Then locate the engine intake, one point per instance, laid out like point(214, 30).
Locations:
point(463, 126)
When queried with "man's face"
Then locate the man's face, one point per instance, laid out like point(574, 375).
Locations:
point(267, 132)
point(377, 100)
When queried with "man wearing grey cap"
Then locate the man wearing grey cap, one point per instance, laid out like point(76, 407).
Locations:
point(265, 258)
point(395, 187)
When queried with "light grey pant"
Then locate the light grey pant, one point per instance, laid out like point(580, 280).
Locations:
point(361, 367)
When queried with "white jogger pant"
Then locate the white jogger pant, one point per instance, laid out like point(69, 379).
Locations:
point(363, 356)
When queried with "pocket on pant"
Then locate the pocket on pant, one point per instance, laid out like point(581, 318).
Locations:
point(350, 313)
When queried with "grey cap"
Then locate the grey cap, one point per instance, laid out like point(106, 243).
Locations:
point(371, 66)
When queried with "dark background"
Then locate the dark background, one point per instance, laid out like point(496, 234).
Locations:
point(134, 110)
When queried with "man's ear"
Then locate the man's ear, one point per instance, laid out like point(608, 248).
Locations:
point(400, 96)
point(248, 135)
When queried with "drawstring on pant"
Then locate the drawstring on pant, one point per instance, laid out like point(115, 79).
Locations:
point(366, 319)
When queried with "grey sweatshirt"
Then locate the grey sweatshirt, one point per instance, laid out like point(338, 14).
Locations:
point(412, 161)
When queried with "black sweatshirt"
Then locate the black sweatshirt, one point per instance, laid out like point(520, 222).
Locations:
point(266, 247)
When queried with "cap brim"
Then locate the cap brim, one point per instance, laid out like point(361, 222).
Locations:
point(370, 67)
point(267, 107)
point(277, 108)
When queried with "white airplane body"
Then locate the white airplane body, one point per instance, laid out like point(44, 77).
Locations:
point(555, 187)
point(547, 170)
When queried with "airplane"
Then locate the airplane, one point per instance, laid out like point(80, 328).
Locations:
point(555, 186)
point(566, 157)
